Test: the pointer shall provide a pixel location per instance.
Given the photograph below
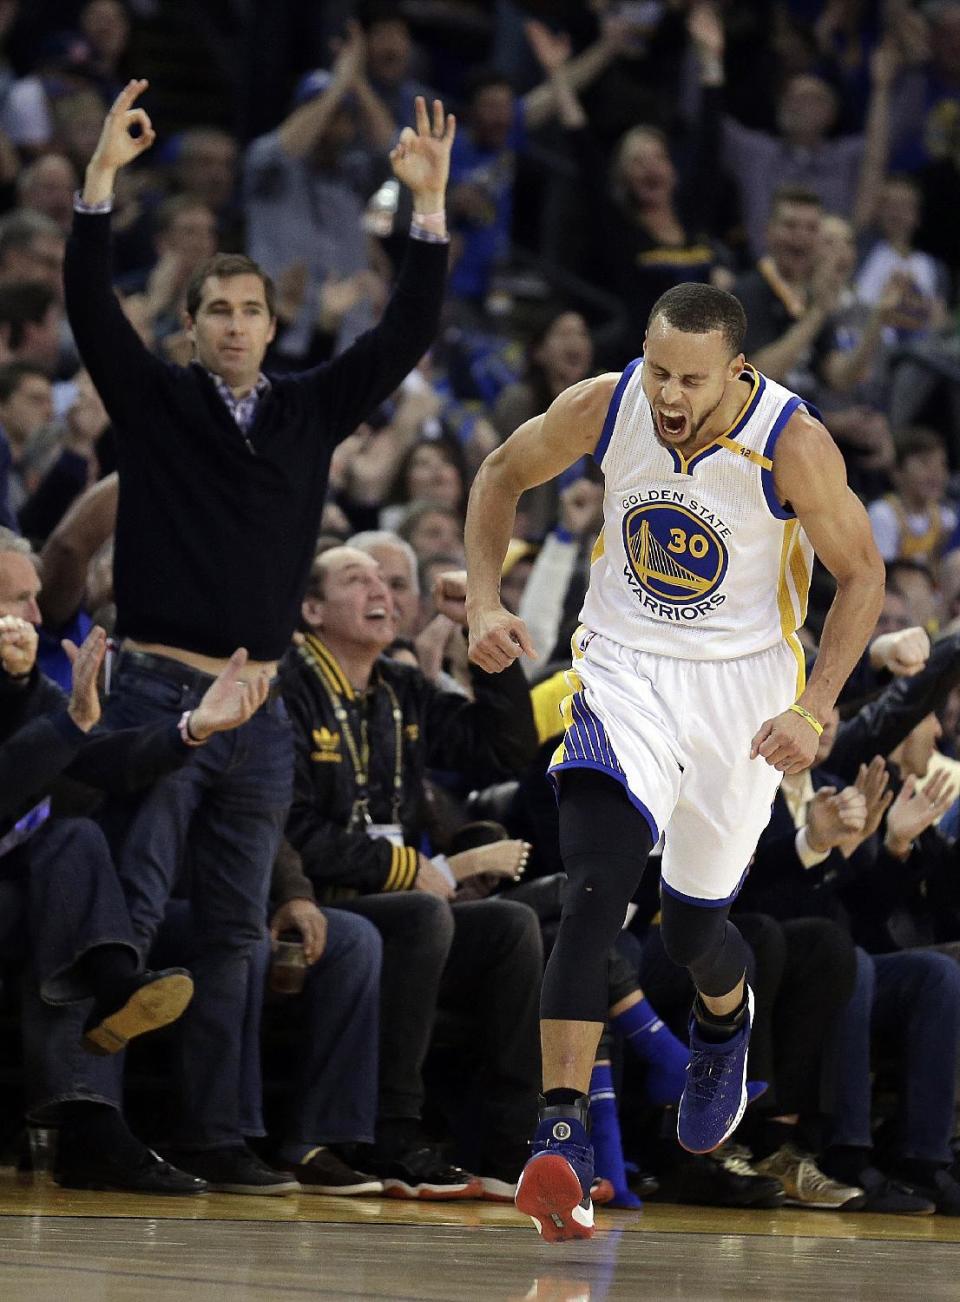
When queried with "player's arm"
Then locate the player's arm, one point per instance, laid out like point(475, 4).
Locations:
point(538, 451)
point(810, 475)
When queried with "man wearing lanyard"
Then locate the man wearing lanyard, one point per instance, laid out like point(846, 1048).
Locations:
point(365, 730)
point(223, 474)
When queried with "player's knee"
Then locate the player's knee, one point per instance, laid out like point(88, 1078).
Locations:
point(598, 895)
point(692, 936)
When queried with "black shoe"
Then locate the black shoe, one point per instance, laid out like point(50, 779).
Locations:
point(234, 1170)
point(938, 1186)
point(420, 1173)
point(891, 1197)
point(144, 1003)
point(145, 1173)
point(324, 1173)
point(710, 1182)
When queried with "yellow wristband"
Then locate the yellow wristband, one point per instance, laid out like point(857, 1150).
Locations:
point(813, 721)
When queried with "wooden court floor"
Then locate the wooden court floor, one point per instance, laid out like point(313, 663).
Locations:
point(57, 1246)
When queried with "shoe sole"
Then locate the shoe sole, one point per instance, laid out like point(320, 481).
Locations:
point(147, 1009)
point(105, 1186)
point(256, 1190)
point(343, 1191)
point(851, 1205)
point(743, 1097)
point(549, 1193)
point(439, 1193)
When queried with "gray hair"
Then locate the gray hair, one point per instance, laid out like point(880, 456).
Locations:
point(372, 538)
point(12, 542)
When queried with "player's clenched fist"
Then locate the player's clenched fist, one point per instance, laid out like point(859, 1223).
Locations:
point(787, 743)
point(497, 638)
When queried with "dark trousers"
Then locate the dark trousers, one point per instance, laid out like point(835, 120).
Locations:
point(218, 819)
point(330, 1085)
point(480, 960)
point(910, 999)
point(69, 902)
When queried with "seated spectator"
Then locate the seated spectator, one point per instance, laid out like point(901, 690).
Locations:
point(559, 354)
point(391, 55)
point(330, 1082)
point(58, 873)
point(917, 521)
point(915, 582)
point(185, 237)
point(31, 248)
point(430, 471)
point(365, 728)
point(205, 170)
point(818, 857)
point(432, 530)
point(47, 187)
point(30, 323)
point(398, 569)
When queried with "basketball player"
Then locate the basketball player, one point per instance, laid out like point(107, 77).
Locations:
point(688, 700)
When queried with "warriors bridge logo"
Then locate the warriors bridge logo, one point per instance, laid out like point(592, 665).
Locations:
point(676, 560)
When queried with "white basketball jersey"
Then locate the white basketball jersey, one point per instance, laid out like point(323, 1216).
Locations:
point(697, 559)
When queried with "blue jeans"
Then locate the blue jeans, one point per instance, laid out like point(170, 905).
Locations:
point(911, 997)
point(331, 1090)
point(214, 825)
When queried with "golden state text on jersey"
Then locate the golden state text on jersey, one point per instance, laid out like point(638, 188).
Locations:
point(697, 558)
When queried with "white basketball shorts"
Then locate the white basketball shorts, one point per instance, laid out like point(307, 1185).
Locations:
point(676, 734)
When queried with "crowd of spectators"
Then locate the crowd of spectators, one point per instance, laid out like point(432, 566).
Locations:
point(804, 154)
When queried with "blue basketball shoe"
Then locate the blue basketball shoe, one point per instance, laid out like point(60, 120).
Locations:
point(715, 1095)
point(554, 1186)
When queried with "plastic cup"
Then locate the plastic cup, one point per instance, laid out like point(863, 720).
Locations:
point(288, 971)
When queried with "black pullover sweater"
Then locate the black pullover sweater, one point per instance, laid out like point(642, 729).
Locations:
point(215, 532)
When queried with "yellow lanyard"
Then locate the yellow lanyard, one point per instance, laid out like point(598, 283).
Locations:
point(360, 753)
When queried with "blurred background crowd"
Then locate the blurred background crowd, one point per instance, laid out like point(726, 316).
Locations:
point(804, 154)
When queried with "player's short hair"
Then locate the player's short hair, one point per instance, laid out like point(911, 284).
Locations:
point(226, 265)
point(697, 309)
point(918, 442)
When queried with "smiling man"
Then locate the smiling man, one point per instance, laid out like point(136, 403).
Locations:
point(366, 729)
point(688, 699)
point(223, 474)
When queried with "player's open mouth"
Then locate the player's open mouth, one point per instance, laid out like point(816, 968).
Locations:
point(672, 426)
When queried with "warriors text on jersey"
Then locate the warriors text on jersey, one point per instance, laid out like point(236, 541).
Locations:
point(697, 558)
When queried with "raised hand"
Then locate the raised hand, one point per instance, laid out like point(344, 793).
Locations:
point(551, 49)
point(18, 645)
point(915, 809)
point(903, 653)
point(450, 595)
point(832, 816)
point(873, 783)
point(85, 660)
point(230, 700)
point(116, 146)
point(421, 158)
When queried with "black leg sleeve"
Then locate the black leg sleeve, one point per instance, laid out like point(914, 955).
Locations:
point(704, 941)
point(604, 842)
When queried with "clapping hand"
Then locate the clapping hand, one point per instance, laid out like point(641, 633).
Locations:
point(873, 783)
point(833, 816)
point(230, 700)
point(421, 157)
point(903, 653)
point(915, 809)
point(85, 660)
